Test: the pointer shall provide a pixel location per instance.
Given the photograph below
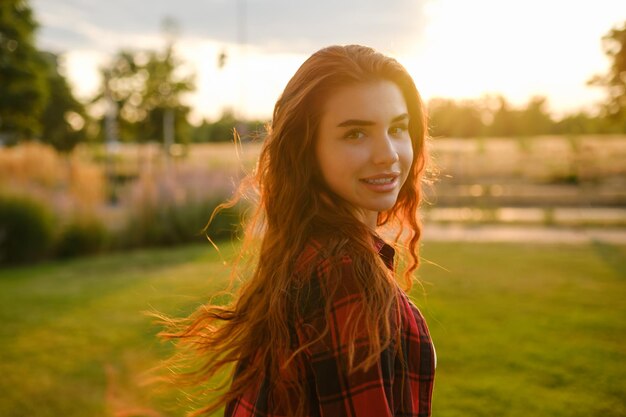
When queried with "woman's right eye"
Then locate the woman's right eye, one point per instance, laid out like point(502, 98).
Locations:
point(354, 134)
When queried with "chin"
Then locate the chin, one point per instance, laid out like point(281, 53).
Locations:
point(383, 206)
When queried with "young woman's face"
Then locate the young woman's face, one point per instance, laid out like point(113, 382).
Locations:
point(363, 146)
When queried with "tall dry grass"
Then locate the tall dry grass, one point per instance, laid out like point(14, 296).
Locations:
point(131, 197)
point(70, 184)
point(76, 185)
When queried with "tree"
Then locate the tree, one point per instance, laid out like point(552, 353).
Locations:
point(23, 89)
point(535, 119)
point(124, 79)
point(505, 121)
point(144, 85)
point(63, 118)
point(162, 93)
point(578, 123)
point(455, 119)
point(614, 45)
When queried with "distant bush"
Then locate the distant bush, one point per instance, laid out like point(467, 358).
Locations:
point(81, 237)
point(170, 224)
point(26, 229)
point(226, 224)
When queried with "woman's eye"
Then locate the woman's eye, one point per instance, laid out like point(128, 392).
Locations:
point(354, 134)
point(398, 130)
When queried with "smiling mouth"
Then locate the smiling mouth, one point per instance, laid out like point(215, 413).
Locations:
point(381, 179)
point(387, 180)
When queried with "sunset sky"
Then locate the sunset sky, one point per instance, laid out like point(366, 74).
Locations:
point(453, 48)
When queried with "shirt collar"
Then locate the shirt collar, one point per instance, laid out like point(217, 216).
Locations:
point(385, 251)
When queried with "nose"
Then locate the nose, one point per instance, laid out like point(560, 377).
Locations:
point(384, 151)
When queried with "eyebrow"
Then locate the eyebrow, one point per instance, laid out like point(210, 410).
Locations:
point(356, 122)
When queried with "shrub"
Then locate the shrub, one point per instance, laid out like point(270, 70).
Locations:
point(81, 237)
point(26, 230)
point(226, 224)
point(170, 224)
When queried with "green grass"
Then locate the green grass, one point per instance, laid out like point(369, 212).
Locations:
point(74, 334)
point(520, 329)
point(527, 330)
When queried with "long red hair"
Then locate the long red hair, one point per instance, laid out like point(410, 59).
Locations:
point(293, 206)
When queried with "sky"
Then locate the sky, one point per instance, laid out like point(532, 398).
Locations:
point(453, 48)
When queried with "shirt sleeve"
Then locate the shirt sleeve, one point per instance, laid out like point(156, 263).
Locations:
point(359, 393)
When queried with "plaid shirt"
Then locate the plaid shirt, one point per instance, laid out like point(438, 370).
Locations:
point(392, 387)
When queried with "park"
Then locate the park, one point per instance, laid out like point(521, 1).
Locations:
point(108, 217)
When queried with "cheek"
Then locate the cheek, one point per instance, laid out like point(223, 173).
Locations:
point(341, 160)
point(327, 162)
point(405, 154)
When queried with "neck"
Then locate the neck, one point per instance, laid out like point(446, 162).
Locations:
point(369, 218)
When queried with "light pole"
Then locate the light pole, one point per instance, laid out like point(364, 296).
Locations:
point(111, 136)
point(171, 30)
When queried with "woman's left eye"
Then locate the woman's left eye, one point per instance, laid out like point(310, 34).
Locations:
point(398, 130)
point(354, 134)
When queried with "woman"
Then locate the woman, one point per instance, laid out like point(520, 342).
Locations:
point(321, 327)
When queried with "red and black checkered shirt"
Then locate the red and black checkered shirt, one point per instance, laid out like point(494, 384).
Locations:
point(395, 386)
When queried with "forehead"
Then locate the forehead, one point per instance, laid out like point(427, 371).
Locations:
point(372, 101)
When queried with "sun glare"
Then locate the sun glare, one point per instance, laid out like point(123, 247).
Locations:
point(517, 49)
point(248, 83)
point(464, 50)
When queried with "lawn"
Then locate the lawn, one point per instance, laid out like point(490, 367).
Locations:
point(520, 329)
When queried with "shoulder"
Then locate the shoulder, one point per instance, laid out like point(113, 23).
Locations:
point(321, 256)
point(323, 273)
point(414, 324)
point(323, 252)
point(311, 255)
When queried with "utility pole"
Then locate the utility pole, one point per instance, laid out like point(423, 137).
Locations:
point(110, 120)
point(168, 131)
point(171, 29)
point(111, 136)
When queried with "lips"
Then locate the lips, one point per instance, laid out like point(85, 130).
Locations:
point(386, 178)
point(382, 183)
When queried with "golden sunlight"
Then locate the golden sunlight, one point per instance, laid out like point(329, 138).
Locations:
point(518, 49)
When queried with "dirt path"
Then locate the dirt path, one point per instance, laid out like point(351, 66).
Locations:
point(538, 234)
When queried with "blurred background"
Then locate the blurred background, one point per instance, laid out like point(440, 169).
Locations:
point(117, 121)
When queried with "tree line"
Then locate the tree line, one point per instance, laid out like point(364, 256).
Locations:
point(141, 92)
point(492, 116)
